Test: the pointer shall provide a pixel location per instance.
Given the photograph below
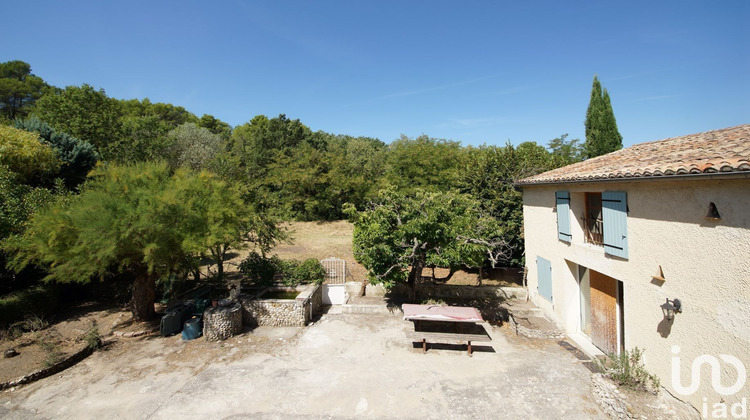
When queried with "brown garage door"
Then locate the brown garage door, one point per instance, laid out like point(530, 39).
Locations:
point(603, 312)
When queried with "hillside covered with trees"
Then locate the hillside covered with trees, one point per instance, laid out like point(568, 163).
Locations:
point(63, 150)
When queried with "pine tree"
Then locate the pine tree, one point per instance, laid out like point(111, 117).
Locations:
point(602, 136)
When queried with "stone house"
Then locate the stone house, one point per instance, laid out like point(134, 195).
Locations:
point(614, 242)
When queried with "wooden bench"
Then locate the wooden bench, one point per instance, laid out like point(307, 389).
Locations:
point(442, 337)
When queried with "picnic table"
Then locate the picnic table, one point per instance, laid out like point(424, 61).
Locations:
point(445, 323)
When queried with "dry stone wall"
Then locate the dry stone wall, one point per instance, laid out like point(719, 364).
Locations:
point(282, 312)
point(277, 313)
point(222, 322)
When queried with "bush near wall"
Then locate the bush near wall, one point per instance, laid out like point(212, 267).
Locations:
point(263, 271)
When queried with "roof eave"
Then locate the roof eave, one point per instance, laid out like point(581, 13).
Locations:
point(677, 177)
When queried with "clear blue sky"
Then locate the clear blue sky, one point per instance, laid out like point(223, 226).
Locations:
point(475, 72)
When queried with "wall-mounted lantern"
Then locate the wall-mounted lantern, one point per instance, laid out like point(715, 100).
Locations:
point(671, 307)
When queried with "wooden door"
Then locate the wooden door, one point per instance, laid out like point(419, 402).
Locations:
point(603, 312)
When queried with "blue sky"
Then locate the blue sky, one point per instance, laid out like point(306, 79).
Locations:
point(475, 72)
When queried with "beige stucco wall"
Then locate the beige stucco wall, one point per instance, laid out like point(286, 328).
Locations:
point(706, 265)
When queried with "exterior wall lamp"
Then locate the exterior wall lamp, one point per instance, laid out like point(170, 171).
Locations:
point(671, 307)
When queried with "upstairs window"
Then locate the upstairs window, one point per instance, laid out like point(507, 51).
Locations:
point(605, 220)
point(593, 224)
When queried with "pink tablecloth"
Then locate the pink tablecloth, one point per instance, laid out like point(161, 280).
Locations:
point(441, 313)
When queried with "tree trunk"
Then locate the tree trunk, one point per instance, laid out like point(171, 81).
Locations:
point(219, 254)
point(415, 277)
point(143, 297)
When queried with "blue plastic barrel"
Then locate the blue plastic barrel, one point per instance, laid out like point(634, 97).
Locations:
point(193, 328)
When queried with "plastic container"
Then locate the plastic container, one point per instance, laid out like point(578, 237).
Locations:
point(193, 328)
point(170, 323)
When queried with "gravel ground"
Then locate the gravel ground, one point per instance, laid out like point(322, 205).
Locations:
point(343, 366)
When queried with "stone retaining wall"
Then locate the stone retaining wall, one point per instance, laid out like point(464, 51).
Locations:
point(442, 291)
point(50, 370)
point(609, 398)
point(282, 312)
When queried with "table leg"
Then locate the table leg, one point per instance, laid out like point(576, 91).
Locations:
point(469, 348)
point(424, 345)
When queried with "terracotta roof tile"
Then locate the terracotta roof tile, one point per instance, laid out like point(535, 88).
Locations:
point(719, 151)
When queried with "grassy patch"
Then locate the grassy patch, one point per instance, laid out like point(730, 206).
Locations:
point(52, 352)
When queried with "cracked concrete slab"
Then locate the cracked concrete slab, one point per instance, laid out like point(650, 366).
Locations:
point(344, 366)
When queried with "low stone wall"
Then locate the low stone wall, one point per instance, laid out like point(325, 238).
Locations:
point(50, 370)
point(442, 291)
point(609, 398)
point(282, 312)
point(222, 322)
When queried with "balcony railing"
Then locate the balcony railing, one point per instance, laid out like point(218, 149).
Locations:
point(593, 230)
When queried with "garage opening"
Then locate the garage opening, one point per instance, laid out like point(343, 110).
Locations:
point(601, 310)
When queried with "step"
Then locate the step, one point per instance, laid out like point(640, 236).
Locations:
point(358, 308)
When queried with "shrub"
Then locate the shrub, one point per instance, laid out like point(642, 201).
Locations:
point(310, 271)
point(92, 337)
point(53, 353)
point(288, 271)
point(262, 271)
point(258, 270)
point(626, 369)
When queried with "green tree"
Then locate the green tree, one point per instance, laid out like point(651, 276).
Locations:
point(192, 147)
point(602, 136)
point(298, 182)
point(19, 89)
point(489, 176)
point(215, 126)
point(18, 202)
point(424, 162)
point(137, 219)
point(397, 236)
point(25, 154)
point(85, 113)
point(567, 151)
point(143, 139)
point(255, 143)
point(77, 156)
point(356, 168)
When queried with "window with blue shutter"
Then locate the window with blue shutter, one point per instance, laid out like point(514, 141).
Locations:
point(615, 219)
point(544, 278)
point(563, 215)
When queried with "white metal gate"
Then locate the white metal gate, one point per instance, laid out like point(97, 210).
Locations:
point(335, 270)
point(334, 287)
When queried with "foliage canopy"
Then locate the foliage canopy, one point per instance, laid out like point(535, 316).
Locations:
point(19, 89)
point(137, 219)
point(398, 235)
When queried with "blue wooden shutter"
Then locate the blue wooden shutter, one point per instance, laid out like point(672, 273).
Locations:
point(615, 218)
point(544, 278)
point(563, 215)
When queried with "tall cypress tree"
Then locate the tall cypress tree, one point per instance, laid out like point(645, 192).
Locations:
point(602, 136)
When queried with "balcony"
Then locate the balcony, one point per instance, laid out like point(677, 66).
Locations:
point(593, 231)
